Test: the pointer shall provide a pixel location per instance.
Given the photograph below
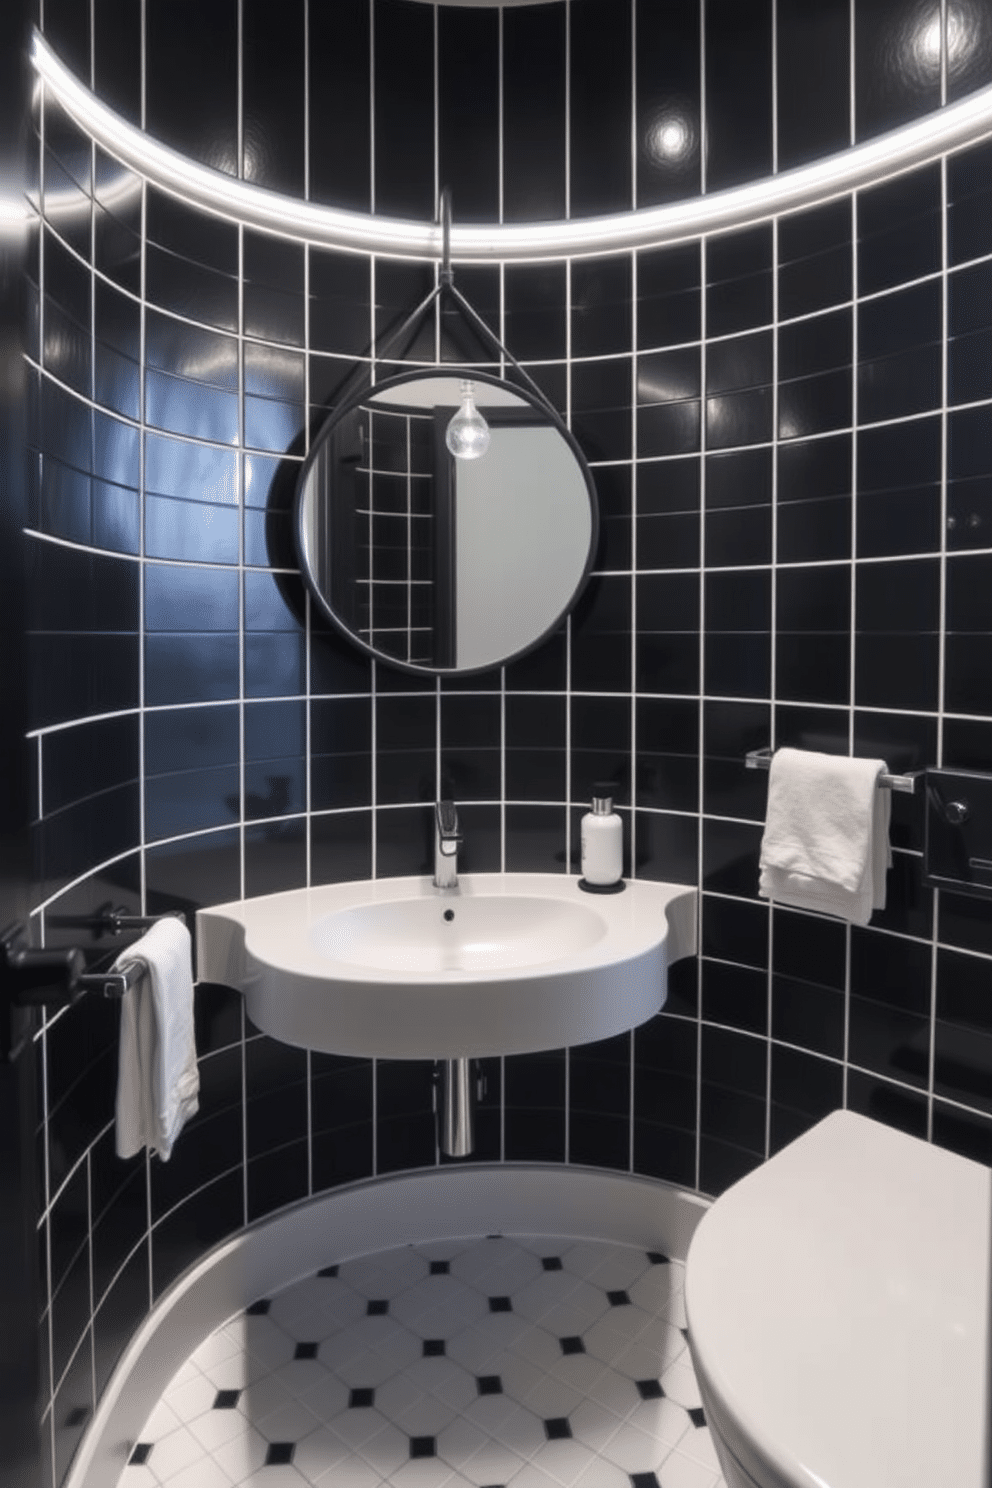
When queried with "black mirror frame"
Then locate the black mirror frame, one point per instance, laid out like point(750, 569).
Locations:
point(535, 399)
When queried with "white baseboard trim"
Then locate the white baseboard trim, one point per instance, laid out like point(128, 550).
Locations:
point(377, 1214)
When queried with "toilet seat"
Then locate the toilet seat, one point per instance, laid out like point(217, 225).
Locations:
point(838, 1311)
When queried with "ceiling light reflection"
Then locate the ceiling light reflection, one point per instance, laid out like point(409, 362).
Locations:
point(670, 138)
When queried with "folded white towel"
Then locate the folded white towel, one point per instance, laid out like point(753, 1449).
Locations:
point(158, 1081)
point(826, 839)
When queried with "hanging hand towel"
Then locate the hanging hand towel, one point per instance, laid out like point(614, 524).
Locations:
point(826, 838)
point(158, 1081)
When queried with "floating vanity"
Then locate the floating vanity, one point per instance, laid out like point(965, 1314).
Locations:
point(507, 963)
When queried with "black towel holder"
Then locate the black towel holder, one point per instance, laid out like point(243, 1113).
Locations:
point(761, 759)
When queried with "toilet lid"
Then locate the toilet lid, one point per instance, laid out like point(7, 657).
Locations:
point(838, 1310)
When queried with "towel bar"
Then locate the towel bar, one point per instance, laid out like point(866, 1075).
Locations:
point(761, 759)
point(109, 983)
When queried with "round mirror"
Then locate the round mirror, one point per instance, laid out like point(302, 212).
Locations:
point(438, 562)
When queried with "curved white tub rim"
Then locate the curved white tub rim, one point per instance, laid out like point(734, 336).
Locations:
point(375, 1214)
point(925, 139)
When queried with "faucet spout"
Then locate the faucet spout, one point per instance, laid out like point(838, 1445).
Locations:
point(446, 840)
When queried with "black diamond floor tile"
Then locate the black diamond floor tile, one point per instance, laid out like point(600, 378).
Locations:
point(551, 1263)
point(259, 1308)
point(359, 1399)
point(306, 1351)
point(328, 1271)
point(500, 1304)
point(697, 1417)
point(423, 1446)
point(643, 1480)
point(656, 1258)
point(618, 1299)
point(279, 1453)
point(141, 1453)
point(649, 1389)
point(489, 1384)
point(433, 1347)
point(226, 1399)
point(557, 1428)
point(440, 1268)
point(572, 1345)
point(378, 1307)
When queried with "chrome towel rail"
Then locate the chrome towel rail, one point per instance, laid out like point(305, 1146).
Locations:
point(761, 759)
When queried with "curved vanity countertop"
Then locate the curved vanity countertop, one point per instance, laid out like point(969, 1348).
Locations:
point(838, 1312)
point(505, 963)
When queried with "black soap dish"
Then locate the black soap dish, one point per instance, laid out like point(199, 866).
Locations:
point(613, 888)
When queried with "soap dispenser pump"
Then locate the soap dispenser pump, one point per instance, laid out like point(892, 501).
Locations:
point(602, 844)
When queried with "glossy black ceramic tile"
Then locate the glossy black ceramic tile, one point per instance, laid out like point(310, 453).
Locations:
point(897, 642)
point(738, 51)
point(969, 226)
point(888, 1102)
point(188, 874)
point(668, 633)
point(535, 306)
point(404, 841)
point(808, 1014)
point(890, 1006)
point(468, 112)
point(668, 295)
point(908, 903)
point(339, 752)
point(119, 1219)
point(667, 121)
point(601, 636)
point(665, 486)
point(600, 35)
point(534, 126)
point(340, 118)
point(730, 857)
point(535, 839)
point(665, 1074)
point(97, 829)
point(668, 541)
point(340, 847)
point(272, 98)
point(613, 485)
point(667, 847)
point(738, 535)
point(667, 754)
point(190, 668)
point(88, 760)
point(534, 1107)
point(70, 1311)
point(899, 353)
point(275, 759)
point(208, 72)
point(735, 996)
point(119, 1316)
point(965, 1132)
point(963, 1034)
point(275, 857)
point(212, 1140)
point(731, 729)
point(67, 29)
point(600, 746)
point(738, 281)
point(273, 288)
point(897, 66)
point(339, 287)
point(813, 66)
point(899, 488)
point(668, 408)
point(399, 288)
point(966, 682)
point(191, 1229)
point(470, 747)
point(735, 930)
point(405, 1135)
point(601, 306)
point(403, 50)
point(405, 729)
point(804, 1090)
point(899, 230)
point(732, 1106)
point(599, 1103)
point(117, 56)
point(276, 1092)
point(601, 413)
point(815, 263)
point(72, 1407)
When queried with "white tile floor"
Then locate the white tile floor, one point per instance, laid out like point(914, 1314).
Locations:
point(536, 1362)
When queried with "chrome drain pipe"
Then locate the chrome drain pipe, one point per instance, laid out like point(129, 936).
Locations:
point(457, 1087)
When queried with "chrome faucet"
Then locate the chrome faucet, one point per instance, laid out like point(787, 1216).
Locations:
point(446, 840)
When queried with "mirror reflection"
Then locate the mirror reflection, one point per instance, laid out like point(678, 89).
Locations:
point(437, 561)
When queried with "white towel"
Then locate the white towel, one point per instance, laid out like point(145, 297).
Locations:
point(826, 838)
point(158, 1081)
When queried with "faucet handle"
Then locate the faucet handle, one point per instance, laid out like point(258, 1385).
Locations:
point(446, 816)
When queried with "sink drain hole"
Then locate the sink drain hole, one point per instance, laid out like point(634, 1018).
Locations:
point(449, 914)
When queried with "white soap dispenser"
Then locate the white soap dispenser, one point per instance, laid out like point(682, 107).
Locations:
point(602, 844)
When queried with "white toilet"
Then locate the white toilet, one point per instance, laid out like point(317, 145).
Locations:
point(838, 1310)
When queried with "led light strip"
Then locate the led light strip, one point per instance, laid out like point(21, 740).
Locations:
point(914, 144)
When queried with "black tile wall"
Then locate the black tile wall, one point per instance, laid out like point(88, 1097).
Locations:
point(776, 503)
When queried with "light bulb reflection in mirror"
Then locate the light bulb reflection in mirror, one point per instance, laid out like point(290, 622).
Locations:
point(467, 435)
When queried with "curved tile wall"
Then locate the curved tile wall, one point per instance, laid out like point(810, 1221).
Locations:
point(788, 431)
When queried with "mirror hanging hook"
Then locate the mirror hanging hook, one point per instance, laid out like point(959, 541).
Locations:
point(444, 211)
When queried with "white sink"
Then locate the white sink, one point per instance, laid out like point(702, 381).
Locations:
point(504, 964)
